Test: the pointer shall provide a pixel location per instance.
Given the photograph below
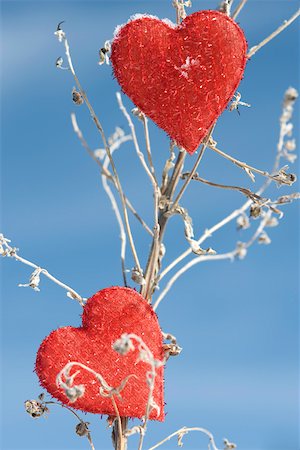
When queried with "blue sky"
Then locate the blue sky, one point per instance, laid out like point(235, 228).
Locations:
point(237, 322)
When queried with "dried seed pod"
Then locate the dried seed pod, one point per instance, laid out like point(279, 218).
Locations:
point(82, 429)
point(255, 210)
point(35, 409)
point(77, 97)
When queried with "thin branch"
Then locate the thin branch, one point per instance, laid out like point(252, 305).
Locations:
point(153, 263)
point(186, 267)
point(107, 148)
point(119, 437)
point(156, 190)
point(122, 346)
point(105, 171)
point(208, 233)
point(288, 104)
point(251, 195)
point(148, 146)
point(230, 255)
point(275, 33)
point(7, 250)
point(239, 9)
point(118, 217)
point(135, 141)
point(287, 179)
point(184, 430)
point(193, 171)
point(88, 436)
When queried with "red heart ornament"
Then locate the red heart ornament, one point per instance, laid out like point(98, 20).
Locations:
point(181, 77)
point(106, 317)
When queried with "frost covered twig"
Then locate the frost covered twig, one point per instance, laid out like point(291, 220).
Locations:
point(185, 430)
point(152, 178)
point(240, 252)
point(238, 9)
point(275, 33)
point(281, 177)
point(98, 155)
point(180, 6)
point(225, 7)
point(7, 250)
point(65, 381)
point(285, 144)
point(62, 38)
point(193, 171)
point(251, 195)
point(123, 346)
point(37, 408)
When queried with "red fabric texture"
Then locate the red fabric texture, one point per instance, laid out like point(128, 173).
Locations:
point(182, 78)
point(106, 316)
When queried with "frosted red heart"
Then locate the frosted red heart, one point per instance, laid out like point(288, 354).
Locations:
point(181, 77)
point(106, 316)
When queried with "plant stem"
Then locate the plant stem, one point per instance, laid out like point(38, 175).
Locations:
point(275, 33)
point(153, 260)
point(118, 433)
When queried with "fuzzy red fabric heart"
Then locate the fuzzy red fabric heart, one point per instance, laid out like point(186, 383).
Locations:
point(181, 77)
point(106, 316)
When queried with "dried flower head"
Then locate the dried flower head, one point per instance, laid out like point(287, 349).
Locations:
point(77, 97)
point(34, 280)
point(137, 276)
point(82, 429)
point(229, 445)
point(283, 177)
point(103, 53)
point(237, 98)
point(35, 408)
point(264, 239)
point(59, 62)
point(59, 32)
point(242, 222)
point(290, 97)
point(255, 210)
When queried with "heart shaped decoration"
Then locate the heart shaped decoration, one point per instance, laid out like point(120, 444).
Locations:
point(181, 77)
point(108, 315)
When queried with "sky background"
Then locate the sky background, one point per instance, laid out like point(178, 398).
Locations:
point(238, 323)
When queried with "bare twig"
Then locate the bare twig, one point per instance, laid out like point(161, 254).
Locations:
point(186, 267)
point(239, 8)
point(119, 429)
point(153, 263)
point(153, 180)
point(136, 144)
point(251, 195)
point(148, 145)
point(225, 7)
point(88, 433)
point(285, 130)
point(7, 250)
point(275, 33)
point(106, 172)
point(180, 6)
point(62, 37)
point(280, 177)
point(184, 430)
point(239, 251)
point(193, 171)
point(125, 344)
point(118, 217)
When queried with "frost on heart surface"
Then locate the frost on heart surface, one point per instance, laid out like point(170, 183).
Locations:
point(181, 77)
point(107, 315)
